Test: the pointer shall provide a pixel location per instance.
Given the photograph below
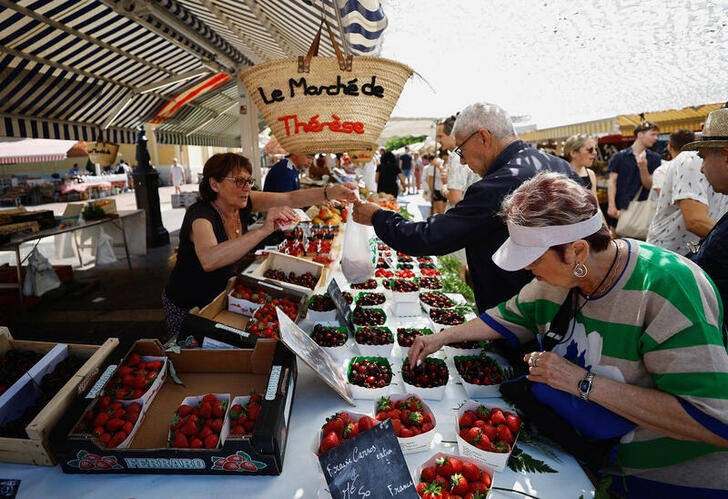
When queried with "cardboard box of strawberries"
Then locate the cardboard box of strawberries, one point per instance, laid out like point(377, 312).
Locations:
point(230, 417)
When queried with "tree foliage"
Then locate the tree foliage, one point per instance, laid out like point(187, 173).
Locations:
point(393, 143)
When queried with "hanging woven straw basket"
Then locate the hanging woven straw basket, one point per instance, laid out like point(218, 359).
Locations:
point(326, 104)
point(102, 152)
point(363, 156)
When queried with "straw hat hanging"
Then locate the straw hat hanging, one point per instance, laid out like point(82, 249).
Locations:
point(326, 104)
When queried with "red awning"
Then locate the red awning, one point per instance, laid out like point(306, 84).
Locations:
point(33, 150)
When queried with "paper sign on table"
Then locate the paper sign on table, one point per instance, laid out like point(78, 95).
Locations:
point(369, 465)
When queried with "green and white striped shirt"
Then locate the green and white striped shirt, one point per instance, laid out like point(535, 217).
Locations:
point(657, 327)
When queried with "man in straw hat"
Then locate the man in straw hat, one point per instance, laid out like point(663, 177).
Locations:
point(486, 141)
point(712, 254)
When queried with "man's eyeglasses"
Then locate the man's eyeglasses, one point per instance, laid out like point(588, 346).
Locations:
point(242, 181)
point(459, 149)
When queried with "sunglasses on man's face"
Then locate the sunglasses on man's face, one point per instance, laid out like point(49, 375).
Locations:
point(242, 181)
point(591, 150)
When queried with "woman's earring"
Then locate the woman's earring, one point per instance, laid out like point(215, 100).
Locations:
point(580, 271)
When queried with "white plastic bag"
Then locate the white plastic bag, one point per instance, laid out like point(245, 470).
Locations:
point(104, 250)
point(40, 276)
point(358, 262)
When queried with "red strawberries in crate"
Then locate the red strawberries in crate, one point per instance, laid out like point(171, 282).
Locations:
point(199, 422)
point(134, 377)
point(445, 476)
point(244, 413)
point(342, 426)
point(111, 422)
point(410, 416)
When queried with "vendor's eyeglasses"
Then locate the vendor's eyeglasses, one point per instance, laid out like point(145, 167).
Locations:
point(242, 181)
point(459, 149)
point(591, 150)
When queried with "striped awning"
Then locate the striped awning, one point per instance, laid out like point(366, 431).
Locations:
point(69, 68)
point(672, 120)
point(14, 151)
point(596, 128)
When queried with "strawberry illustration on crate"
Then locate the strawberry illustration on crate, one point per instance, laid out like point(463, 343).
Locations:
point(88, 461)
point(200, 422)
point(238, 462)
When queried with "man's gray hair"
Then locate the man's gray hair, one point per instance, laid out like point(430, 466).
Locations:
point(484, 115)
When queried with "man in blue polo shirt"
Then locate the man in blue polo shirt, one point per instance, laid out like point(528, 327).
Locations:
point(284, 175)
point(632, 168)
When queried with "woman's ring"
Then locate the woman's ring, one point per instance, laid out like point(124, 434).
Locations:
point(532, 361)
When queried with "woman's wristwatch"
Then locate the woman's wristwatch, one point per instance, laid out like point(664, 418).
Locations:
point(585, 385)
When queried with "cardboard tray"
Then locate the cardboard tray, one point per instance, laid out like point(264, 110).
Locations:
point(36, 448)
point(270, 368)
point(288, 263)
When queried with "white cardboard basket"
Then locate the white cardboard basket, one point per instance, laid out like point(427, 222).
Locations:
point(496, 460)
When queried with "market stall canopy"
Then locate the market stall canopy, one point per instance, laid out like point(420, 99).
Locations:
point(14, 151)
point(689, 118)
point(72, 67)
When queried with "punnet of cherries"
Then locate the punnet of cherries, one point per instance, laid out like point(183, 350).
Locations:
point(329, 336)
point(406, 335)
point(370, 299)
point(321, 303)
point(479, 370)
point(368, 284)
point(436, 299)
point(430, 283)
point(374, 336)
point(307, 279)
point(429, 374)
point(369, 316)
point(370, 372)
point(446, 317)
point(404, 286)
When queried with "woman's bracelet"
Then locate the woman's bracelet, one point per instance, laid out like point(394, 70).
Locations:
point(326, 194)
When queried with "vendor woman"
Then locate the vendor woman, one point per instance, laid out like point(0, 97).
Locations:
point(641, 360)
point(214, 234)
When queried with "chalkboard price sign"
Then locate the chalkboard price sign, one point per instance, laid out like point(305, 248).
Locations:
point(369, 466)
point(342, 307)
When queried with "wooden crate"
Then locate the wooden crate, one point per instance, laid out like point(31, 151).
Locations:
point(36, 448)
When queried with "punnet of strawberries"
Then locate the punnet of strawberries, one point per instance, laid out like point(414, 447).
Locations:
point(492, 430)
point(450, 476)
point(133, 378)
point(110, 421)
point(264, 323)
point(429, 272)
point(340, 427)
point(382, 272)
point(245, 293)
point(198, 426)
point(404, 274)
point(429, 374)
point(243, 417)
point(410, 417)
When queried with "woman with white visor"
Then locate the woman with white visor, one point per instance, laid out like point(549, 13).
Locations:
point(641, 358)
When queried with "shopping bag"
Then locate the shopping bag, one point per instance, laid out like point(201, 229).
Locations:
point(104, 250)
point(40, 276)
point(357, 263)
point(636, 219)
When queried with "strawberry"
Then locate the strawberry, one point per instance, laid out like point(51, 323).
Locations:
point(427, 427)
point(114, 424)
point(497, 417)
point(485, 444)
point(421, 488)
point(458, 484)
point(180, 441)
point(366, 422)
point(502, 447)
point(217, 410)
point(255, 397)
point(125, 370)
point(415, 418)
point(481, 486)
point(196, 443)
point(405, 433)
point(235, 411)
point(101, 419)
point(205, 410)
point(133, 360)
point(444, 467)
point(117, 438)
point(385, 404)
point(253, 411)
point(397, 426)
point(505, 434)
point(428, 474)
point(329, 441)
point(189, 428)
point(435, 491)
point(471, 472)
point(211, 441)
point(334, 423)
point(513, 422)
point(476, 495)
point(413, 403)
point(210, 398)
point(216, 425)
point(350, 430)
point(205, 432)
point(128, 426)
point(489, 431)
point(184, 410)
point(473, 435)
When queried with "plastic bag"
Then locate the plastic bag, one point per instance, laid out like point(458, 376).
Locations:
point(40, 276)
point(104, 250)
point(358, 262)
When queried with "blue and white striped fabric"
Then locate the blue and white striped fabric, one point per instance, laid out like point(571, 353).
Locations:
point(364, 22)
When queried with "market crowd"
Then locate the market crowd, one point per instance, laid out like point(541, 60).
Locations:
point(621, 336)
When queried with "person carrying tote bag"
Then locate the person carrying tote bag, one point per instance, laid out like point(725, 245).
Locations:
point(636, 219)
